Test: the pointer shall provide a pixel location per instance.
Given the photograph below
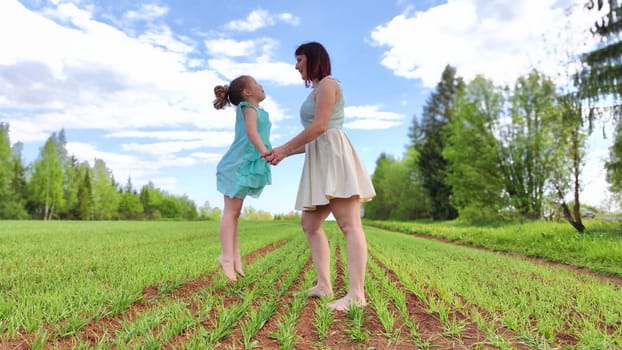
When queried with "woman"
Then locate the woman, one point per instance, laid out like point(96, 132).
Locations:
point(334, 180)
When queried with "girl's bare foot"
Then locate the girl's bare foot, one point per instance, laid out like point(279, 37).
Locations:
point(227, 268)
point(237, 266)
point(319, 292)
point(345, 303)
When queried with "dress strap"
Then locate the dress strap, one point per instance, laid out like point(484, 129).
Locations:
point(246, 104)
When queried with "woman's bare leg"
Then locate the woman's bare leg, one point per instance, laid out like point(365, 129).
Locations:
point(228, 236)
point(347, 213)
point(311, 222)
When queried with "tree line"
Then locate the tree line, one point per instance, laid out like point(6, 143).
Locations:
point(483, 152)
point(58, 186)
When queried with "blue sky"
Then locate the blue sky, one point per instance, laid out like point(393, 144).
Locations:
point(132, 82)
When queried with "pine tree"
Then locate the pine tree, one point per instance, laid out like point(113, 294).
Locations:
point(428, 139)
point(85, 193)
point(10, 205)
point(472, 152)
point(601, 76)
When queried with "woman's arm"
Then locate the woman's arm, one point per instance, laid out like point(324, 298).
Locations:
point(298, 150)
point(326, 95)
point(250, 120)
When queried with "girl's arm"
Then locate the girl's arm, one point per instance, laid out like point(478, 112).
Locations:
point(250, 120)
point(326, 96)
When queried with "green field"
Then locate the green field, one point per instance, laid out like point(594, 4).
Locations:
point(155, 285)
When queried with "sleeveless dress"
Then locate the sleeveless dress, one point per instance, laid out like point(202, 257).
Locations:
point(332, 168)
point(242, 171)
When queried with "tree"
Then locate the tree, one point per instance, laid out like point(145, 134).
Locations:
point(399, 194)
point(47, 180)
point(206, 212)
point(150, 197)
point(472, 158)
point(600, 76)
point(85, 193)
point(613, 165)
point(567, 161)
point(19, 184)
point(187, 208)
point(528, 142)
point(71, 185)
point(600, 79)
point(378, 208)
point(130, 206)
point(11, 203)
point(428, 139)
point(105, 196)
point(250, 213)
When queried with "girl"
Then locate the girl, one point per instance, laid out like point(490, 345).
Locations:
point(242, 170)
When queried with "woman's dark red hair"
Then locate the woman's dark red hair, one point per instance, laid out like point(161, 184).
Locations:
point(318, 61)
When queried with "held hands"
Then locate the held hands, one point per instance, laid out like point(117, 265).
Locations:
point(276, 155)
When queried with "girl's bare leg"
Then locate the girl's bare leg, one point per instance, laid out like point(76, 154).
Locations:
point(228, 236)
point(311, 222)
point(237, 258)
point(347, 213)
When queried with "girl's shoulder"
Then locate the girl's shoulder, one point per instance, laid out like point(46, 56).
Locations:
point(245, 104)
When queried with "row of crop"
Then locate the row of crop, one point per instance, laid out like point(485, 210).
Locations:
point(64, 275)
point(217, 308)
point(263, 274)
point(543, 306)
point(599, 248)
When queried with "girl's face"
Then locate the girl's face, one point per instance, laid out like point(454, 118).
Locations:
point(256, 89)
point(301, 66)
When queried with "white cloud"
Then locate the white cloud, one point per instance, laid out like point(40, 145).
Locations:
point(173, 147)
point(366, 124)
point(90, 75)
point(370, 117)
point(141, 167)
point(66, 69)
point(212, 158)
point(276, 72)
point(501, 39)
point(260, 18)
point(146, 12)
point(230, 47)
point(167, 135)
point(122, 165)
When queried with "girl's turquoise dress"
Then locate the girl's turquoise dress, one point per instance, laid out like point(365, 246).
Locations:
point(242, 171)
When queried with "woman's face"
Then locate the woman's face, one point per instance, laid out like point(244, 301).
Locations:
point(301, 66)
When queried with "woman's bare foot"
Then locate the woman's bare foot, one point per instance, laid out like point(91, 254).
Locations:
point(346, 302)
point(227, 268)
point(319, 292)
point(237, 266)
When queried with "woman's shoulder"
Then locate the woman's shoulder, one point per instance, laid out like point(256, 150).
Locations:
point(329, 79)
point(328, 82)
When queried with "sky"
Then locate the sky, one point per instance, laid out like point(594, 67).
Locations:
point(131, 82)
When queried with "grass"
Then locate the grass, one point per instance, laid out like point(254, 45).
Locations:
point(598, 249)
point(536, 301)
point(57, 277)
